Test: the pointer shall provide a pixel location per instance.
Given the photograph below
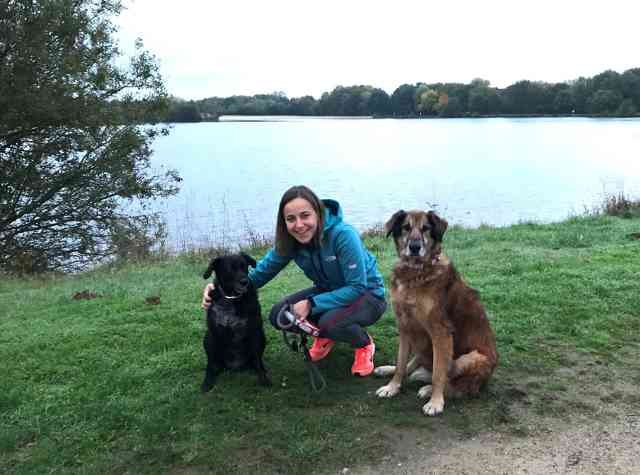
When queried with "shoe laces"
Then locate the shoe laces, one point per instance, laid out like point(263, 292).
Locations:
point(322, 342)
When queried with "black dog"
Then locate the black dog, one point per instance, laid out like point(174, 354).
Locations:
point(235, 338)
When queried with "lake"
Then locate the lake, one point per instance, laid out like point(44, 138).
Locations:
point(494, 171)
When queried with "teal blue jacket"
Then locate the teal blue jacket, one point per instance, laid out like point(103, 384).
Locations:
point(342, 268)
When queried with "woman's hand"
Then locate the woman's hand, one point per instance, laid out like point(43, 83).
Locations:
point(302, 309)
point(206, 298)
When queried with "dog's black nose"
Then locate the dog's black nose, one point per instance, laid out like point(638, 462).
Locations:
point(414, 248)
point(244, 281)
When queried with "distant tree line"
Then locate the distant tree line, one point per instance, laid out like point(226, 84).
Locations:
point(606, 94)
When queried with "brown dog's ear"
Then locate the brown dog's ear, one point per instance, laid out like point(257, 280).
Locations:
point(438, 225)
point(395, 222)
point(248, 259)
point(212, 267)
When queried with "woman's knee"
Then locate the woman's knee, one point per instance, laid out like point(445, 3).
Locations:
point(354, 335)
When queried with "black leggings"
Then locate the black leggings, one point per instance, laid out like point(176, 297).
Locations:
point(344, 324)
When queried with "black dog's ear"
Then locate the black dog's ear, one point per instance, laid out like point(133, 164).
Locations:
point(395, 222)
point(212, 267)
point(438, 225)
point(248, 259)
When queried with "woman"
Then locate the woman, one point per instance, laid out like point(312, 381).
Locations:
point(348, 290)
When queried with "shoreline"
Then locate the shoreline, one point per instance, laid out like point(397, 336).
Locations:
point(288, 118)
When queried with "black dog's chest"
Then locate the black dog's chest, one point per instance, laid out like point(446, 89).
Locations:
point(231, 332)
point(226, 316)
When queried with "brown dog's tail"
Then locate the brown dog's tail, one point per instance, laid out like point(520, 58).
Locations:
point(469, 372)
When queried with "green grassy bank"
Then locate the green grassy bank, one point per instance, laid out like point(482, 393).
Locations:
point(111, 384)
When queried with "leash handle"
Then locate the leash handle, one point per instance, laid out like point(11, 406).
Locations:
point(287, 320)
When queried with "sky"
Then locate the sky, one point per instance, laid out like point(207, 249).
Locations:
point(220, 48)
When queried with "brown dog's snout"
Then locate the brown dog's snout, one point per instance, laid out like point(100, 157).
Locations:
point(415, 246)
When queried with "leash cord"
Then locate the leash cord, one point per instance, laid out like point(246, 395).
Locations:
point(315, 377)
point(298, 344)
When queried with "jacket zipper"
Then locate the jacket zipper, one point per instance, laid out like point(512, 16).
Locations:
point(319, 270)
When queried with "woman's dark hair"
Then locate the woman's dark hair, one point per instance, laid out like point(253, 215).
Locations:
point(285, 242)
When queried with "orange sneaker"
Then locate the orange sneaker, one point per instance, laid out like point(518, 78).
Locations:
point(363, 362)
point(320, 348)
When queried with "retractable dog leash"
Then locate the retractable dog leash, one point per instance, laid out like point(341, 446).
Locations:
point(295, 333)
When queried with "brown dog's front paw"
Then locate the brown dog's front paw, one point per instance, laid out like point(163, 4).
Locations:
point(389, 390)
point(433, 407)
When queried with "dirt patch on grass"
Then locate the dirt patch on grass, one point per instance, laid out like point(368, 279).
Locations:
point(589, 446)
point(584, 418)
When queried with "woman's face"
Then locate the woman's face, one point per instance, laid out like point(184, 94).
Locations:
point(301, 220)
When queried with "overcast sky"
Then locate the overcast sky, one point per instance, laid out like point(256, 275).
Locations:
point(220, 48)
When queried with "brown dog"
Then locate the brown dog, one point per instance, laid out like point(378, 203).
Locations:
point(440, 318)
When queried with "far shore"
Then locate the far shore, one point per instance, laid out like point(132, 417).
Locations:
point(287, 118)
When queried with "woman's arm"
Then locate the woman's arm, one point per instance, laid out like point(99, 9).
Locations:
point(267, 268)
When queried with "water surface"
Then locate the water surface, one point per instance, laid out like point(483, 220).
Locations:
point(473, 171)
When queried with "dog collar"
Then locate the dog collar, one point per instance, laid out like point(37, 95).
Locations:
point(228, 297)
point(231, 297)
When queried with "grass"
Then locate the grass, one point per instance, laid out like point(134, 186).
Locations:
point(110, 384)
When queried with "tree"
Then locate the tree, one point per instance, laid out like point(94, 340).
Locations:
point(480, 83)
point(527, 97)
point(443, 102)
point(354, 102)
point(183, 111)
point(604, 101)
point(458, 95)
point(333, 103)
point(302, 105)
point(403, 100)
point(75, 134)
point(630, 85)
point(607, 80)
point(483, 99)
point(581, 90)
point(379, 103)
point(564, 102)
point(627, 108)
point(452, 108)
point(426, 100)
point(479, 100)
point(347, 101)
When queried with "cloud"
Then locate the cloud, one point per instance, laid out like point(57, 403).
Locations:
point(224, 47)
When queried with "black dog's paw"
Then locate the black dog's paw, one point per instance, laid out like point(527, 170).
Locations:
point(207, 385)
point(264, 379)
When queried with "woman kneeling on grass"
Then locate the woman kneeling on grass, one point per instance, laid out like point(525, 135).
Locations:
point(348, 291)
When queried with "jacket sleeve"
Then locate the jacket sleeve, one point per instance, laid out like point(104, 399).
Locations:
point(267, 268)
point(350, 254)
